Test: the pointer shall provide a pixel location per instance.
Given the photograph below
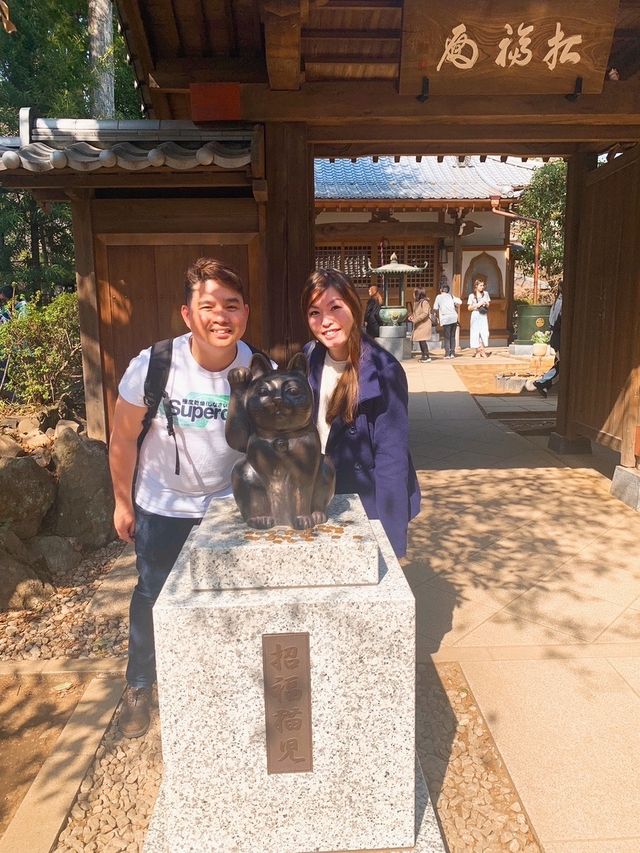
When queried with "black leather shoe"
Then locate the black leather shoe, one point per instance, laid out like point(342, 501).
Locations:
point(540, 389)
point(134, 715)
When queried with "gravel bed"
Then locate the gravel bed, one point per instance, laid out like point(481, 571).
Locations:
point(62, 627)
point(116, 798)
point(477, 805)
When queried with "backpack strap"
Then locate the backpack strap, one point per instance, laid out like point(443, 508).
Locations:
point(154, 392)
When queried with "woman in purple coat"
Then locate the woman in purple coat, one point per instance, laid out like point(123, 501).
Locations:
point(360, 400)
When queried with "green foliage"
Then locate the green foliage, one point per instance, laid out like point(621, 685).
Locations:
point(544, 199)
point(41, 352)
point(45, 65)
point(540, 337)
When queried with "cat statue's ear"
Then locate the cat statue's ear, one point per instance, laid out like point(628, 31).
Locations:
point(299, 364)
point(260, 365)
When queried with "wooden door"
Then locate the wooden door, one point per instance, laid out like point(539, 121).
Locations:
point(140, 284)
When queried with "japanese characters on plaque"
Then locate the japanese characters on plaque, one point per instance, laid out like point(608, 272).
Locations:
point(506, 47)
point(287, 702)
point(462, 51)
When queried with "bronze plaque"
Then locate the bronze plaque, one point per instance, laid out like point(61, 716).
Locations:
point(287, 702)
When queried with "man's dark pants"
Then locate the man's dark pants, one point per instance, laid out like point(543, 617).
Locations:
point(449, 335)
point(158, 541)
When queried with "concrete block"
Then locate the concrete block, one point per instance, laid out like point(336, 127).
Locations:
point(626, 486)
point(563, 445)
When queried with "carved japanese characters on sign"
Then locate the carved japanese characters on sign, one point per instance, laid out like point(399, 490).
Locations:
point(506, 47)
point(462, 51)
point(287, 702)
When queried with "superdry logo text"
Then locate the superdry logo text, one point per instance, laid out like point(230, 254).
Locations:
point(197, 410)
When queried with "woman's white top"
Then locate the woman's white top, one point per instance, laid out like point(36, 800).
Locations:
point(331, 373)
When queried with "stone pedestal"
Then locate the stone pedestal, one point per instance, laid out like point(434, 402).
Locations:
point(563, 445)
point(217, 793)
point(394, 340)
point(626, 486)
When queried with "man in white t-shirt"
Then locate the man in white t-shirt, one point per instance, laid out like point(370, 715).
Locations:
point(168, 504)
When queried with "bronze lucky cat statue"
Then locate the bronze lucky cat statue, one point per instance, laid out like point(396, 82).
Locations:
point(284, 478)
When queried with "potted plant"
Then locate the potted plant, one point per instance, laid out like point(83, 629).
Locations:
point(540, 342)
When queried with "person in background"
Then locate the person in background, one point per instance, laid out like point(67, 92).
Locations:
point(422, 327)
point(372, 312)
point(6, 295)
point(543, 383)
point(446, 309)
point(360, 406)
point(478, 305)
point(22, 306)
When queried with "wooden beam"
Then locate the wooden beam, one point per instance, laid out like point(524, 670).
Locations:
point(104, 179)
point(181, 72)
point(135, 34)
point(484, 134)
point(339, 102)
point(282, 20)
point(88, 311)
point(341, 231)
point(509, 148)
point(335, 36)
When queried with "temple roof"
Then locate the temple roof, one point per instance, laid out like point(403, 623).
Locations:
point(428, 178)
point(85, 145)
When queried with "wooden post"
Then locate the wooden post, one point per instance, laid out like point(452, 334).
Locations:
point(577, 169)
point(88, 311)
point(289, 241)
point(630, 420)
point(456, 284)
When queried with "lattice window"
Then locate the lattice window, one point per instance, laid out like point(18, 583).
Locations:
point(355, 263)
point(328, 257)
point(416, 255)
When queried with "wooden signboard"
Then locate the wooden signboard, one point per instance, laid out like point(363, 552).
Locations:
point(506, 47)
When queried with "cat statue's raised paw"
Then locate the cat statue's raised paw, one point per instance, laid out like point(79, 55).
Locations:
point(284, 478)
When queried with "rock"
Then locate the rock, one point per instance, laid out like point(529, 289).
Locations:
point(84, 504)
point(20, 586)
point(9, 447)
point(26, 425)
point(58, 552)
point(36, 440)
point(64, 424)
point(27, 491)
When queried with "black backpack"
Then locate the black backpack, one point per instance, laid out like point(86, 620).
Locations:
point(155, 390)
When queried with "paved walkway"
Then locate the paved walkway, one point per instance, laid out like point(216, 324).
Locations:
point(526, 573)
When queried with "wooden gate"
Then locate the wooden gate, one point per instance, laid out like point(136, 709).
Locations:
point(603, 352)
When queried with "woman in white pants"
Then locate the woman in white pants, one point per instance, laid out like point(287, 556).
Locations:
point(478, 305)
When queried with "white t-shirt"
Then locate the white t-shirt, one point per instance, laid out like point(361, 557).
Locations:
point(331, 373)
point(199, 402)
point(445, 305)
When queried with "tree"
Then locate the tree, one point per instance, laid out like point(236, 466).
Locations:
point(101, 52)
point(544, 199)
point(45, 64)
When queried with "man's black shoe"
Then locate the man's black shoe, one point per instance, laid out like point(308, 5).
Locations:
point(541, 390)
point(134, 716)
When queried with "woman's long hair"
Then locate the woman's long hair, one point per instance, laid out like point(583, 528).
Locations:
point(344, 400)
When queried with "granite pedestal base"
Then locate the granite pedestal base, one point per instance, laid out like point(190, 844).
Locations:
point(217, 794)
point(626, 486)
point(428, 838)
